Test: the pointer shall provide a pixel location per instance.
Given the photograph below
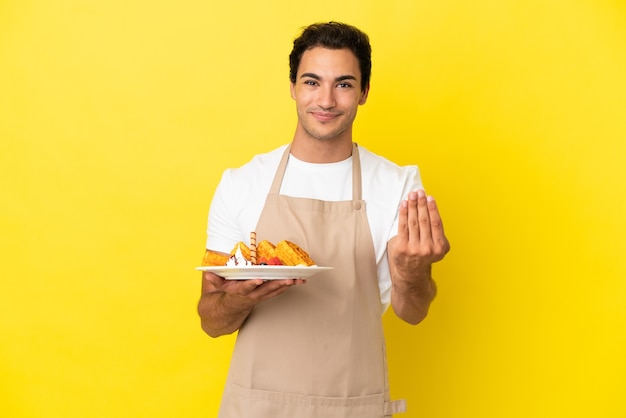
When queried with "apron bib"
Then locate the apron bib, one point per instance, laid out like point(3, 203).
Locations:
point(316, 350)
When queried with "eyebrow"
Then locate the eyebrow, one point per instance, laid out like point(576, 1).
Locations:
point(317, 77)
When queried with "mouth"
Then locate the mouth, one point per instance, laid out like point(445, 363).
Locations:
point(324, 116)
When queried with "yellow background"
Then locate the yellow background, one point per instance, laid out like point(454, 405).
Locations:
point(118, 117)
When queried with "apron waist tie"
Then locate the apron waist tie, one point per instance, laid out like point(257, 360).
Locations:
point(394, 407)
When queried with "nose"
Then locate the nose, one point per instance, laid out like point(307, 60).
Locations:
point(326, 97)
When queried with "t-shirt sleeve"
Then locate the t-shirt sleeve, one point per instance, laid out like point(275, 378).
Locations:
point(413, 182)
point(223, 229)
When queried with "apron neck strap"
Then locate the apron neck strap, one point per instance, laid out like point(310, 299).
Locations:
point(356, 172)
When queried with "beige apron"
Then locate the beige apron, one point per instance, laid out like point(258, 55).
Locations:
point(316, 350)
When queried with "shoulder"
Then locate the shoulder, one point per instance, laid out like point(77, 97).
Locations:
point(257, 168)
point(385, 185)
point(377, 167)
point(249, 182)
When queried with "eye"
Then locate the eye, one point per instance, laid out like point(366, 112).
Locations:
point(310, 82)
point(344, 85)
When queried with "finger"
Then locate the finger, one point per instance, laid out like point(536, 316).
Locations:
point(424, 218)
point(273, 287)
point(403, 226)
point(436, 224)
point(275, 292)
point(249, 286)
point(433, 213)
point(212, 277)
point(412, 218)
point(211, 281)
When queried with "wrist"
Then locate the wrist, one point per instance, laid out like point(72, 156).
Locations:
point(420, 274)
point(234, 305)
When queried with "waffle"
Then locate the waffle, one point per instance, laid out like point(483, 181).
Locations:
point(213, 258)
point(289, 253)
point(266, 250)
point(245, 250)
point(292, 255)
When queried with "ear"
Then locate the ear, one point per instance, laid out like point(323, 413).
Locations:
point(364, 94)
point(292, 88)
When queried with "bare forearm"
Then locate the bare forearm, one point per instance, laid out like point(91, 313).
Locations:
point(217, 317)
point(411, 299)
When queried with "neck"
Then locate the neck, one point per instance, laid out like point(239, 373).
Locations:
point(321, 151)
point(312, 150)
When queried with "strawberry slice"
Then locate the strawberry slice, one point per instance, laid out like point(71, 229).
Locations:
point(274, 261)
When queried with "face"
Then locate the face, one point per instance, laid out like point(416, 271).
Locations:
point(327, 92)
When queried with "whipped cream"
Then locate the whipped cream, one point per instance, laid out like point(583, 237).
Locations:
point(238, 260)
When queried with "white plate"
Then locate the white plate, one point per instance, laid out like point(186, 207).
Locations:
point(264, 272)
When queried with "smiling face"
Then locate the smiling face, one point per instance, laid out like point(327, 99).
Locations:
point(327, 92)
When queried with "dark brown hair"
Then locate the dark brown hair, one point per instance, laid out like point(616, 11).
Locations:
point(333, 35)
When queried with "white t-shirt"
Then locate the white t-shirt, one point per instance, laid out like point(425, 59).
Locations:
point(240, 198)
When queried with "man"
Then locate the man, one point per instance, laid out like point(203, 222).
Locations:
point(315, 348)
